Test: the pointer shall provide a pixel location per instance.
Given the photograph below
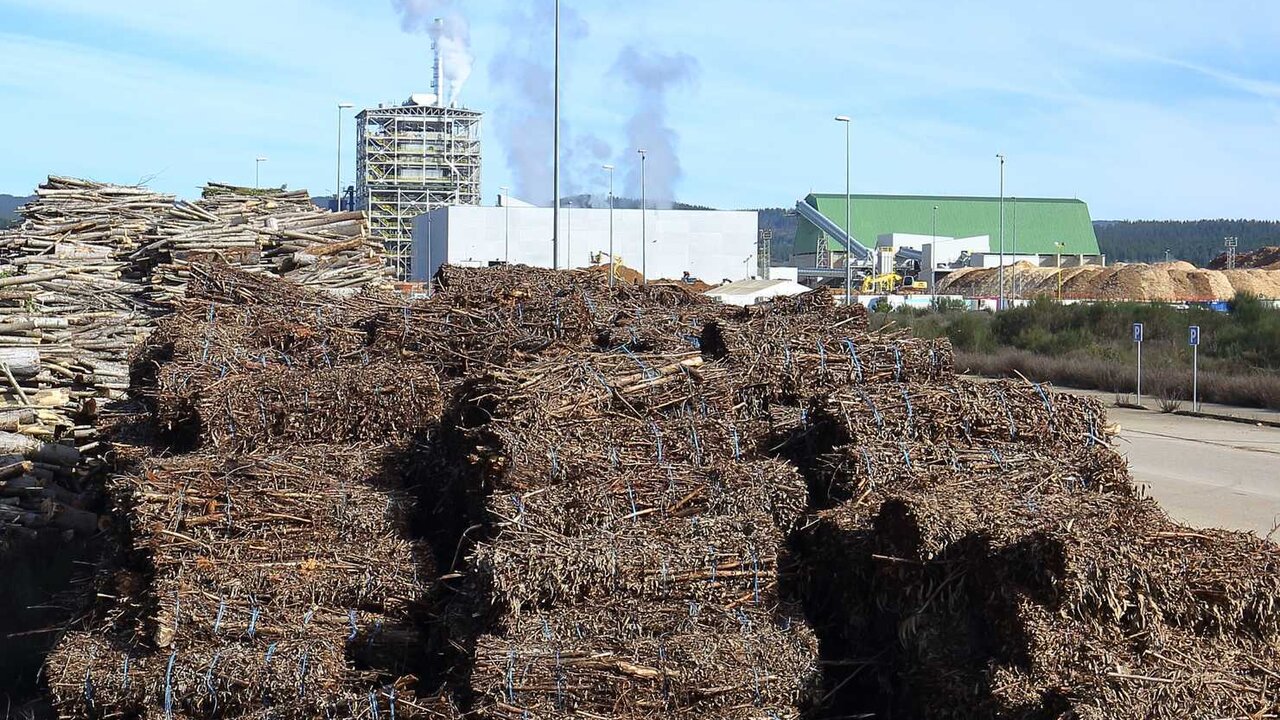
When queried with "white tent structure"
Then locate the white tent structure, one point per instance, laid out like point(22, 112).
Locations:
point(750, 292)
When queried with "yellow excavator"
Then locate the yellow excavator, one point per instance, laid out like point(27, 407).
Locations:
point(892, 282)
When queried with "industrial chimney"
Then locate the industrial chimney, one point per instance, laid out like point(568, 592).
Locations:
point(437, 80)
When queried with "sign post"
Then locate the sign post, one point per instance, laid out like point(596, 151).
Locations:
point(1138, 331)
point(1195, 368)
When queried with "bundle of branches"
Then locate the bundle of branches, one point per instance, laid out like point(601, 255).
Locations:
point(1014, 597)
point(808, 361)
point(587, 498)
point(963, 410)
point(281, 679)
point(243, 335)
point(803, 320)
point(258, 405)
point(274, 578)
point(722, 561)
point(580, 306)
point(632, 662)
point(992, 553)
point(620, 480)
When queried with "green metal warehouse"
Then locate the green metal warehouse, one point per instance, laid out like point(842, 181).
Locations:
point(1033, 226)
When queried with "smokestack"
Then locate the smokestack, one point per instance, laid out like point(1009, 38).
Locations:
point(437, 79)
point(451, 42)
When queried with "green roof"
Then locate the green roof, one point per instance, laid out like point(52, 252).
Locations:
point(1036, 223)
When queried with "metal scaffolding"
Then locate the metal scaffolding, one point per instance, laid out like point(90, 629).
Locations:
point(412, 159)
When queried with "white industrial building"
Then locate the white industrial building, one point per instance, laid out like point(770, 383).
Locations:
point(713, 246)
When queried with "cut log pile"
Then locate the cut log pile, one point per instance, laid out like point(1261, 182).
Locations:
point(532, 496)
point(83, 277)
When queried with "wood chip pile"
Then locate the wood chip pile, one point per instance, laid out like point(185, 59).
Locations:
point(1160, 282)
point(82, 279)
point(532, 496)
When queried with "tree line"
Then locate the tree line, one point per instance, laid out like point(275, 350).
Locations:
point(1197, 241)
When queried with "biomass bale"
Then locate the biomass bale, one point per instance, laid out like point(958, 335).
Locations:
point(258, 407)
point(571, 665)
point(284, 531)
point(1092, 672)
point(965, 411)
point(723, 560)
point(584, 501)
point(89, 677)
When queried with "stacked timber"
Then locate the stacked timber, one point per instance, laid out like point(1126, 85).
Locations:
point(92, 265)
point(70, 314)
point(275, 232)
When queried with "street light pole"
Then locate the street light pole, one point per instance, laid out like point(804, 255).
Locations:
point(568, 239)
point(644, 221)
point(1059, 246)
point(1000, 302)
point(933, 257)
point(555, 182)
point(338, 193)
point(611, 259)
point(848, 209)
point(506, 221)
point(257, 172)
point(1013, 281)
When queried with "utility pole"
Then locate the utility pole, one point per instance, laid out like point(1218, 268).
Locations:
point(848, 208)
point(555, 182)
point(1001, 301)
point(644, 221)
point(506, 221)
point(1060, 246)
point(933, 257)
point(612, 262)
point(1013, 281)
point(337, 195)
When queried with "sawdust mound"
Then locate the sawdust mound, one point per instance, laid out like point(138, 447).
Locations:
point(1165, 282)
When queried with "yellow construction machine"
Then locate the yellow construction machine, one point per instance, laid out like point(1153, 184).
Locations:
point(891, 283)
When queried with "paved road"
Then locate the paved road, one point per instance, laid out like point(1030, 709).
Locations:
point(1206, 473)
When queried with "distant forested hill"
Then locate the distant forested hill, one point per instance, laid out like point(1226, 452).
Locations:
point(783, 222)
point(9, 205)
point(1196, 241)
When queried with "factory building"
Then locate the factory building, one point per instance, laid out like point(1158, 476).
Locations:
point(713, 246)
point(967, 231)
point(412, 158)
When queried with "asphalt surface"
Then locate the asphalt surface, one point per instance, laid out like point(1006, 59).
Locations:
point(1205, 472)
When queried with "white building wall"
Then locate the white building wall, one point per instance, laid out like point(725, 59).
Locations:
point(711, 245)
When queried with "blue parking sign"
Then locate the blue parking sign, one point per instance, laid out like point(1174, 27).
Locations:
point(1195, 336)
point(1138, 331)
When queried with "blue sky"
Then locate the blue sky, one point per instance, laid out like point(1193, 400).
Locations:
point(1145, 109)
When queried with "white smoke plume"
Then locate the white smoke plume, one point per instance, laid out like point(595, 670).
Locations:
point(453, 37)
point(524, 74)
point(650, 77)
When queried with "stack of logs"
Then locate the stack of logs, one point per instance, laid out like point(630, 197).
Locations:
point(84, 276)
